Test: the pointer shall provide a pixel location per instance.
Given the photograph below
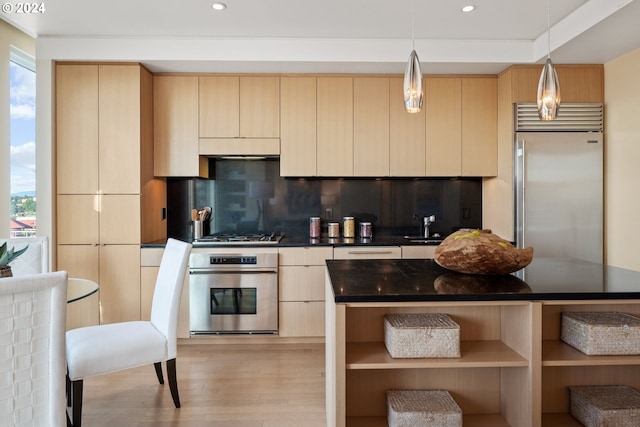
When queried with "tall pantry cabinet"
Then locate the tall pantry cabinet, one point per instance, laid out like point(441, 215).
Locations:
point(104, 180)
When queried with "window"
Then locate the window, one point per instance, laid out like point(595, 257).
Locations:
point(22, 136)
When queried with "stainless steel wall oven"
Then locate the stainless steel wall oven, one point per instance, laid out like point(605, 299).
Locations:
point(233, 293)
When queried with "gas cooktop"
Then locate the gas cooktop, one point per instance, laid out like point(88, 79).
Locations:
point(241, 238)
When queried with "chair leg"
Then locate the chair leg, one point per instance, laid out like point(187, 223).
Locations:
point(68, 389)
point(173, 384)
point(76, 403)
point(158, 367)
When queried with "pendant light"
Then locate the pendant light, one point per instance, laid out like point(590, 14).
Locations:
point(548, 86)
point(412, 87)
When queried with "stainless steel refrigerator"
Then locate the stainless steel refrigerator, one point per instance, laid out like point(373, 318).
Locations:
point(559, 182)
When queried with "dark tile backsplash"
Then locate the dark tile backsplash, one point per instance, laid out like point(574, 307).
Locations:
point(250, 196)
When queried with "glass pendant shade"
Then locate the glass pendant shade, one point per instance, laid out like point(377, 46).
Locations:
point(548, 92)
point(412, 87)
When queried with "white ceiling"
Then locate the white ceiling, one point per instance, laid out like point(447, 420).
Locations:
point(333, 35)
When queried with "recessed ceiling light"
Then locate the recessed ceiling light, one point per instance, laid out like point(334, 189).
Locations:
point(219, 6)
point(468, 8)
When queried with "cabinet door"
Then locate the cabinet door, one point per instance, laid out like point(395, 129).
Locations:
point(77, 129)
point(335, 126)
point(119, 129)
point(406, 135)
point(77, 219)
point(259, 107)
point(310, 288)
point(119, 283)
point(370, 126)
point(420, 252)
point(298, 126)
point(120, 219)
point(479, 126)
point(175, 112)
point(443, 128)
point(363, 252)
point(301, 319)
point(219, 106)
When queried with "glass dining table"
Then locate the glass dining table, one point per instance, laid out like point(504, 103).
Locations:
point(78, 289)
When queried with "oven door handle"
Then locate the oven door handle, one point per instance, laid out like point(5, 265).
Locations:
point(264, 271)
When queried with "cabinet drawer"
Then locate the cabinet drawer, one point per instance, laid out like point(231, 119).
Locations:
point(301, 283)
point(301, 319)
point(305, 255)
point(361, 252)
point(421, 252)
point(151, 257)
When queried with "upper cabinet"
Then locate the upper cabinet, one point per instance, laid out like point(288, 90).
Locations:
point(371, 126)
point(298, 126)
point(406, 135)
point(239, 115)
point(334, 132)
point(461, 126)
point(175, 102)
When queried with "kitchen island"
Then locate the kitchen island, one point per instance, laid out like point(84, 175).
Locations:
point(513, 371)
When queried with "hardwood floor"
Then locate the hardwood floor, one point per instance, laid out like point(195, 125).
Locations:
point(235, 385)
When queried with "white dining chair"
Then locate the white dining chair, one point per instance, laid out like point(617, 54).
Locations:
point(35, 260)
point(102, 349)
point(32, 345)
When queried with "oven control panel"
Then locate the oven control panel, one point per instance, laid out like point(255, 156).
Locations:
point(232, 260)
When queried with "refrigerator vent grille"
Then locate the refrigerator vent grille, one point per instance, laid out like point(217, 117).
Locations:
point(581, 117)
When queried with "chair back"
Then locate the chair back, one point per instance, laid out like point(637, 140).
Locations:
point(166, 297)
point(35, 260)
point(32, 349)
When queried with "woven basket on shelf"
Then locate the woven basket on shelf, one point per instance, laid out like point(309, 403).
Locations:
point(5, 271)
point(422, 408)
point(601, 406)
point(419, 335)
point(602, 333)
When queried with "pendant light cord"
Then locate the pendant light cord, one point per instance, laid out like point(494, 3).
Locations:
point(413, 24)
point(548, 29)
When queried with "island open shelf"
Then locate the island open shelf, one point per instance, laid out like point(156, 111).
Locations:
point(513, 369)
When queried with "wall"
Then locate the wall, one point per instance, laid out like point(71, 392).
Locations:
point(9, 36)
point(622, 156)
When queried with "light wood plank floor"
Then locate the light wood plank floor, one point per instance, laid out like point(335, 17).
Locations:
point(235, 385)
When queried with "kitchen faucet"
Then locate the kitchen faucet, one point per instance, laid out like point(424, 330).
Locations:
point(426, 222)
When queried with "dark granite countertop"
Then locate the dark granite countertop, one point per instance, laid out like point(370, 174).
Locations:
point(324, 240)
point(423, 280)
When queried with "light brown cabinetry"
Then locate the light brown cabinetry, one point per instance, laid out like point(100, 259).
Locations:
point(98, 218)
point(371, 126)
point(175, 111)
point(334, 130)
point(461, 129)
point(298, 126)
point(417, 251)
point(367, 252)
point(406, 135)
point(301, 274)
point(239, 115)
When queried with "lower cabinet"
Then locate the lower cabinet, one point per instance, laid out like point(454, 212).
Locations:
point(301, 276)
point(417, 251)
point(514, 371)
point(367, 252)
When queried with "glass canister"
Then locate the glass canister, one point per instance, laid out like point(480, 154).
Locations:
point(348, 227)
point(314, 227)
point(365, 230)
point(334, 230)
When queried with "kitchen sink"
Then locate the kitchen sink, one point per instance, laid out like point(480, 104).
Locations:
point(425, 240)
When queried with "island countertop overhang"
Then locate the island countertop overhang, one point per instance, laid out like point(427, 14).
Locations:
point(405, 280)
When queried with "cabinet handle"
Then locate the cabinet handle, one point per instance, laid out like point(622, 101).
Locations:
point(369, 252)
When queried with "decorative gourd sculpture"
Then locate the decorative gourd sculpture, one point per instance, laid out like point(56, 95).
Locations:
point(481, 252)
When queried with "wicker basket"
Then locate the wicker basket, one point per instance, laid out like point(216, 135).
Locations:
point(605, 406)
point(421, 408)
point(421, 335)
point(602, 333)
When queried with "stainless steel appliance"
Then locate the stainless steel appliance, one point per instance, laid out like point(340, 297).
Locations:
point(559, 181)
point(239, 238)
point(233, 293)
